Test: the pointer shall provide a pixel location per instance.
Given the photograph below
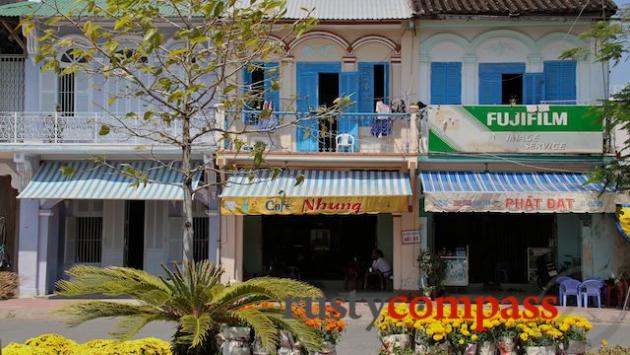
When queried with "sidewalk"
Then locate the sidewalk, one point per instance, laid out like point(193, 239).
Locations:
point(45, 309)
point(21, 319)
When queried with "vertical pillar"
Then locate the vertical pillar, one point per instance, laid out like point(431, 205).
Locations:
point(470, 81)
point(287, 78)
point(232, 248)
point(424, 91)
point(213, 211)
point(28, 261)
point(398, 262)
point(396, 82)
point(42, 250)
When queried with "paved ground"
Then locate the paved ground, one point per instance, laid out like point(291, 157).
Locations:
point(21, 319)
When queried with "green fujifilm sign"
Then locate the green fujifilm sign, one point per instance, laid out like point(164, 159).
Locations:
point(515, 129)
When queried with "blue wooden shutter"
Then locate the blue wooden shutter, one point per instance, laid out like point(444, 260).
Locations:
point(438, 83)
point(560, 81)
point(489, 85)
point(272, 73)
point(533, 88)
point(454, 83)
point(350, 87)
point(247, 78)
point(307, 129)
point(366, 87)
point(446, 83)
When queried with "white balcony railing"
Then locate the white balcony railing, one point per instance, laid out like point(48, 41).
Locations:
point(86, 128)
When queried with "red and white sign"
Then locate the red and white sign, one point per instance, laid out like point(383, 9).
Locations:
point(519, 202)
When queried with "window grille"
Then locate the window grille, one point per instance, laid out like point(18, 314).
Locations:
point(11, 83)
point(89, 237)
point(200, 238)
point(65, 94)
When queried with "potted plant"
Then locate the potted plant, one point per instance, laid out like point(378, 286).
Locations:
point(505, 333)
point(574, 331)
point(329, 328)
point(539, 339)
point(395, 333)
point(461, 340)
point(486, 345)
point(234, 339)
point(433, 269)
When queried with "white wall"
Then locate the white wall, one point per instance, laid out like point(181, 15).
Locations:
point(532, 43)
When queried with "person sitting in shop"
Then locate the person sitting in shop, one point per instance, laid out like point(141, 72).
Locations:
point(380, 268)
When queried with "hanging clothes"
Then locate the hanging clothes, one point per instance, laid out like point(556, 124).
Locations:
point(382, 125)
point(270, 122)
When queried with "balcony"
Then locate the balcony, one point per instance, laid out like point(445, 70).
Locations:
point(65, 128)
point(345, 133)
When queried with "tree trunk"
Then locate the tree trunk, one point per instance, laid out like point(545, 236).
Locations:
point(188, 192)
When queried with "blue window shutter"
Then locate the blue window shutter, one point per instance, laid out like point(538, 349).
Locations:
point(560, 81)
point(438, 83)
point(446, 83)
point(350, 87)
point(533, 88)
point(366, 87)
point(454, 83)
point(272, 73)
point(247, 78)
point(307, 129)
point(489, 84)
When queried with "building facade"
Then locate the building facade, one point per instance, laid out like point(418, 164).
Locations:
point(467, 135)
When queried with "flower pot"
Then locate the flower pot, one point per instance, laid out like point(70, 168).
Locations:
point(506, 346)
point(235, 341)
point(329, 349)
point(288, 346)
point(540, 350)
point(471, 349)
point(487, 348)
point(424, 349)
point(575, 347)
point(401, 341)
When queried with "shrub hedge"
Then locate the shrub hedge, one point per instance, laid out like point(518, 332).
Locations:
point(54, 344)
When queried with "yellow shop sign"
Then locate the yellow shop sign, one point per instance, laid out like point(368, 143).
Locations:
point(313, 205)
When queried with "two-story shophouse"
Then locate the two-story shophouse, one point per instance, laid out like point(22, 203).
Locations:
point(511, 139)
point(49, 123)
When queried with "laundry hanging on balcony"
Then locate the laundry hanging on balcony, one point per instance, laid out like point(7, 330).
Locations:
point(382, 125)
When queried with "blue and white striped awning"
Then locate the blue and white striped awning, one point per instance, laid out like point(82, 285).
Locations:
point(94, 181)
point(465, 191)
point(320, 191)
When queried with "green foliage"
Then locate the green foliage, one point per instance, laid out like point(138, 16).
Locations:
point(612, 38)
point(434, 268)
point(54, 344)
point(193, 296)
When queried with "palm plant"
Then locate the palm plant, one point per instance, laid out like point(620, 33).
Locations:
point(194, 297)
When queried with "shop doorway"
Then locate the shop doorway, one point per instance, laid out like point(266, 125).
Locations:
point(497, 243)
point(328, 92)
point(316, 248)
point(134, 234)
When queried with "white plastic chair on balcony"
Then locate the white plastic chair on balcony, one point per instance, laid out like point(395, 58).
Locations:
point(345, 142)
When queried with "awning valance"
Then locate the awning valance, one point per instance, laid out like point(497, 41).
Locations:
point(94, 181)
point(546, 192)
point(320, 192)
